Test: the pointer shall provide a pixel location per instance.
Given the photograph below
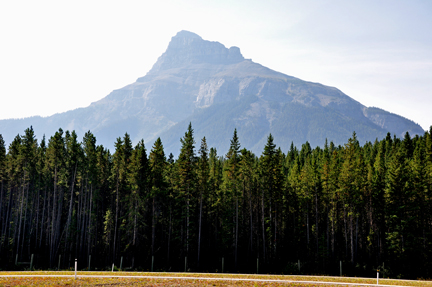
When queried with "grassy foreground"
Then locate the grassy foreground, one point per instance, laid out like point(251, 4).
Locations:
point(47, 279)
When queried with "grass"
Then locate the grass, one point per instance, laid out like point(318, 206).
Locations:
point(7, 279)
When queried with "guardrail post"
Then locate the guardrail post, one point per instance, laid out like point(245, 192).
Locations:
point(377, 276)
point(76, 266)
point(340, 263)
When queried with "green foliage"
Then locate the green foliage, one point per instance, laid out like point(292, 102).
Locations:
point(359, 204)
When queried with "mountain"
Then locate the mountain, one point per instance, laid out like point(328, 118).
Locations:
point(217, 89)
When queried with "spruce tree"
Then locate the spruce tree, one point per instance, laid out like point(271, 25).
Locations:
point(56, 165)
point(232, 169)
point(186, 182)
point(158, 186)
point(203, 174)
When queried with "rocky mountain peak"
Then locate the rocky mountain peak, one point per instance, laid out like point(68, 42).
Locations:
point(186, 34)
point(187, 48)
point(214, 88)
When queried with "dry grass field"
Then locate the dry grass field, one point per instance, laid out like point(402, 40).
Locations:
point(51, 278)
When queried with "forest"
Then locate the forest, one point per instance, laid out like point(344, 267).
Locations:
point(362, 205)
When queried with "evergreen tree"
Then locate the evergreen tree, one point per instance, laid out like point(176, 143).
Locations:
point(3, 185)
point(138, 181)
point(158, 185)
point(203, 174)
point(248, 179)
point(121, 160)
point(55, 156)
point(232, 182)
point(270, 173)
point(365, 204)
point(186, 182)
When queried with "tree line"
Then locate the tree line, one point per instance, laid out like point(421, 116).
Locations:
point(368, 206)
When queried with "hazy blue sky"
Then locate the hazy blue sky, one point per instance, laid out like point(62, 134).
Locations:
point(58, 55)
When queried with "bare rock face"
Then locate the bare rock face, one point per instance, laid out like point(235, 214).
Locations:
point(218, 90)
point(187, 48)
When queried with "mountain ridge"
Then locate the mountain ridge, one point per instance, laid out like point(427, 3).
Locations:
point(196, 80)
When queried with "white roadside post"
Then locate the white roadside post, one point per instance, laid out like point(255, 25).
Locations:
point(76, 266)
point(377, 276)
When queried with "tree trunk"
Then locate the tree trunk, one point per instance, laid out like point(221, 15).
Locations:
point(153, 225)
point(116, 219)
point(316, 222)
point(307, 223)
point(328, 234)
point(53, 218)
point(351, 239)
point(43, 218)
point(37, 216)
point(251, 221)
point(135, 223)
point(25, 220)
point(346, 232)
point(187, 222)
point(20, 212)
point(1, 208)
point(333, 238)
point(199, 229)
point(356, 240)
point(169, 235)
point(8, 212)
point(82, 229)
point(270, 227)
point(90, 220)
point(275, 232)
point(263, 225)
point(69, 219)
point(236, 233)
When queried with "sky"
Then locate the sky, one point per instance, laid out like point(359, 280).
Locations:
point(57, 56)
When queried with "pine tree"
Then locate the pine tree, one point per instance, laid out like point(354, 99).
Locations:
point(186, 181)
point(270, 173)
point(203, 174)
point(349, 192)
point(74, 159)
point(121, 160)
point(138, 179)
point(158, 185)
point(232, 170)
point(3, 184)
point(56, 166)
point(215, 200)
point(395, 203)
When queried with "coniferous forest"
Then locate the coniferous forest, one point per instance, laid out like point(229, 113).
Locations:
point(365, 205)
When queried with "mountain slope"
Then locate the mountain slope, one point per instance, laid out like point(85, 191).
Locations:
point(218, 90)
